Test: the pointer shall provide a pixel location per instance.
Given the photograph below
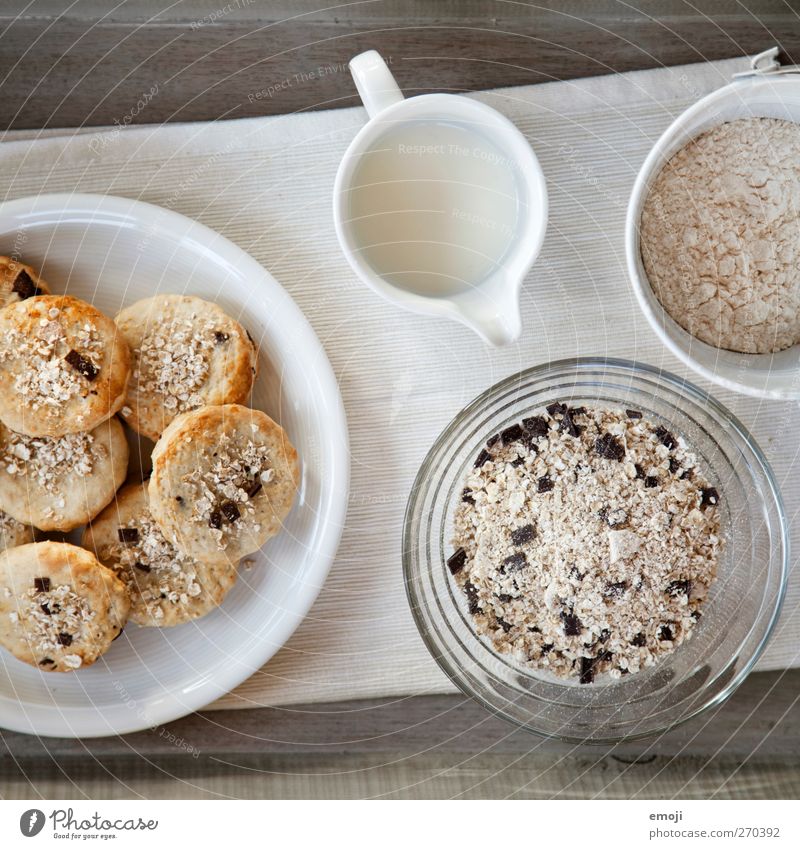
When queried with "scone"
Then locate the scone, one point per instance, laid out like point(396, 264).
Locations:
point(186, 354)
point(166, 586)
point(18, 282)
point(64, 366)
point(57, 483)
point(59, 608)
point(223, 480)
point(12, 532)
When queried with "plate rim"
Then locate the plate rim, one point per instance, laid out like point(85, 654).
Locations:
point(51, 721)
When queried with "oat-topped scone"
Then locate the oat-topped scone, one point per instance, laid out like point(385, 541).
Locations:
point(167, 587)
point(12, 532)
point(57, 483)
point(187, 353)
point(586, 541)
point(224, 478)
point(59, 608)
point(64, 366)
point(18, 282)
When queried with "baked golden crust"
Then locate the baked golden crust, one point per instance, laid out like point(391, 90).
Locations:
point(186, 353)
point(18, 282)
point(64, 366)
point(60, 609)
point(59, 483)
point(166, 586)
point(224, 479)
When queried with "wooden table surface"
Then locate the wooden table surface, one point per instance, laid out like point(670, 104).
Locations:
point(67, 64)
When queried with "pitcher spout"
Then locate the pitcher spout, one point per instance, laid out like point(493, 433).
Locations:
point(493, 313)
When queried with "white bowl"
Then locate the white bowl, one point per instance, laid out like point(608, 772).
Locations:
point(762, 375)
point(113, 251)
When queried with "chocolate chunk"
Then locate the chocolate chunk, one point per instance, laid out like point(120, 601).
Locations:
point(215, 520)
point(472, 598)
point(41, 585)
point(536, 426)
point(65, 639)
point(482, 458)
point(456, 561)
point(709, 497)
point(82, 365)
point(142, 567)
point(127, 535)
point(639, 472)
point(650, 482)
point(547, 648)
point(568, 424)
point(575, 573)
point(696, 614)
point(665, 633)
point(504, 597)
point(25, 287)
point(519, 536)
point(46, 661)
point(587, 670)
point(604, 656)
point(492, 440)
point(506, 626)
point(572, 625)
point(534, 629)
point(665, 437)
point(604, 635)
point(517, 461)
point(609, 447)
point(687, 474)
point(613, 518)
point(556, 409)
point(220, 337)
point(230, 511)
point(46, 609)
point(511, 434)
point(633, 414)
point(674, 465)
point(254, 488)
point(544, 484)
point(640, 641)
point(615, 589)
point(467, 497)
point(676, 588)
point(514, 563)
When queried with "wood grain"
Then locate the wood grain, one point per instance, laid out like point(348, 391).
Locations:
point(73, 69)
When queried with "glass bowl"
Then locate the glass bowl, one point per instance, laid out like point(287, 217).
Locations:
point(739, 612)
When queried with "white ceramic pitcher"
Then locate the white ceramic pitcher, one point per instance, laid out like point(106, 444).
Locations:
point(490, 307)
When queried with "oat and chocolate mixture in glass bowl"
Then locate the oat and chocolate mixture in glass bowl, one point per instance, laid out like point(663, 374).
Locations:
point(595, 549)
point(586, 541)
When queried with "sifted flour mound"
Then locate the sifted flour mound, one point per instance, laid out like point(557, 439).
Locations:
point(720, 236)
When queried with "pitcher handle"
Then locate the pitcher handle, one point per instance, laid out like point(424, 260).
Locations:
point(374, 81)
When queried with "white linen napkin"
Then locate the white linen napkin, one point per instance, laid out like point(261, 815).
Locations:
point(266, 183)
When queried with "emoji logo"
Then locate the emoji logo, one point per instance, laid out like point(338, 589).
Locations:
point(31, 822)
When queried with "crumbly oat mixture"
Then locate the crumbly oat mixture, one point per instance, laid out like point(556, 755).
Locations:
point(154, 569)
point(172, 361)
point(586, 541)
point(56, 369)
point(49, 459)
point(50, 619)
point(224, 491)
point(720, 240)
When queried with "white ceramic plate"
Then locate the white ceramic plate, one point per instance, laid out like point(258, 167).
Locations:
point(112, 251)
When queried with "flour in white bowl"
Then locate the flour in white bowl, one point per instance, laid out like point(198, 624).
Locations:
point(720, 236)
